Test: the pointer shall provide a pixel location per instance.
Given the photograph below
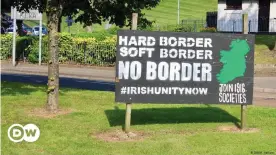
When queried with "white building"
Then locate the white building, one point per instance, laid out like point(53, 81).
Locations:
point(261, 15)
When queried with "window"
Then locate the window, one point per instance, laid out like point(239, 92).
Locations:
point(234, 4)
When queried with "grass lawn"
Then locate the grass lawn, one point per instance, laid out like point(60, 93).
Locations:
point(170, 129)
point(74, 29)
point(165, 13)
point(263, 49)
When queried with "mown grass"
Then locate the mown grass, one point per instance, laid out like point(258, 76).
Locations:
point(164, 14)
point(74, 29)
point(263, 49)
point(173, 129)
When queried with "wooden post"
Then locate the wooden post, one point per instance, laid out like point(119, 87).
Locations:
point(134, 21)
point(128, 105)
point(243, 107)
point(243, 116)
point(245, 23)
point(128, 117)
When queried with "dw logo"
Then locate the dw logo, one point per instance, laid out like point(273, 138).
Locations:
point(18, 133)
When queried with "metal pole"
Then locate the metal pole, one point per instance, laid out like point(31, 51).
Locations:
point(14, 37)
point(178, 5)
point(40, 38)
point(84, 46)
point(233, 26)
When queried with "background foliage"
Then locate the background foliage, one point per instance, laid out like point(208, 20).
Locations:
point(92, 48)
point(97, 49)
point(6, 44)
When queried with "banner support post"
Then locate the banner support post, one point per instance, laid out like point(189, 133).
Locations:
point(128, 105)
point(128, 117)
point(40, 40)
point(243, 107)
point(14, 37)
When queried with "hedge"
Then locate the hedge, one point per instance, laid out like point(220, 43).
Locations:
point(6, 46)
point(71, 49)
point(97, 48)
point(209, 29)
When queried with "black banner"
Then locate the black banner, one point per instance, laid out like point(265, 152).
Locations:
point(179, 67)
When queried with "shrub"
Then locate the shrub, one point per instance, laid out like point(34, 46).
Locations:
point(147, 28)
point(87, 50)
point(184, 28)
point(65, 47)
point(107, 51)
point(113, 30)
point(96, 52)
point(33, 50)
point(209, 29)
point(71, 49)
point(97, 35)
point(22, 44)
point(80, 49)
point(6, 46)
point(110, 40)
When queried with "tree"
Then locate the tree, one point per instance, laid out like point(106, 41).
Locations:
point(275, 46)
point(87, 12)
point(53, 12)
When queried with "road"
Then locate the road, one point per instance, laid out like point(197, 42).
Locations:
point(64, 81)
point(104, 73)
point(102, 79)
point(260, 99)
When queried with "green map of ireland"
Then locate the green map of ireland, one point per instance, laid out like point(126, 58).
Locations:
point(234, 61)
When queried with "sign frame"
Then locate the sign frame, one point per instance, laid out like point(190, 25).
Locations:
point(247, 79)
point(128, 105)
point(16, 15)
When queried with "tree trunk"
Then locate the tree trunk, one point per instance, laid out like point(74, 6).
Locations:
point(275, 46)
point(53, 62)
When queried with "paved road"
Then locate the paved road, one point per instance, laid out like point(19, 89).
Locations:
point(265, 82)
point(103, 74)
point(260, 99)
point(91, 73)
point(64, 81)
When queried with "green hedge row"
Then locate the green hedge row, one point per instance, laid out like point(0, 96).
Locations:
point(22, 45)
point(72, 49)
point(97, 48)
point(6, 46)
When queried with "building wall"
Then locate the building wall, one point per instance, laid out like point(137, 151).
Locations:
point(252, 9)
point(272, 24)
point(231, 20)
point(227, 19)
